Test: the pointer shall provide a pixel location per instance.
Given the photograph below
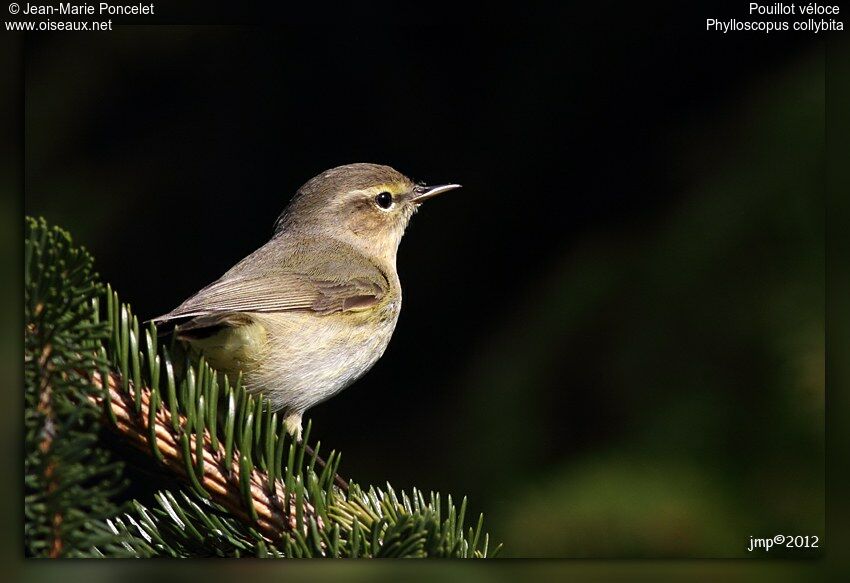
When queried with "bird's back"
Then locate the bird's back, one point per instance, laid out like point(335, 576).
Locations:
point(302, 318)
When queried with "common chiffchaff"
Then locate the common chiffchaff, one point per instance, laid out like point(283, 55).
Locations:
point(312, 310)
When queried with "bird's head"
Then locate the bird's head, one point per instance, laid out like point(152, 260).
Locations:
point(367, 205)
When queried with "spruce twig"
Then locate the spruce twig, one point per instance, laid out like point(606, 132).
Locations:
point(272, 518)
point(340, 482)
point(251, 490)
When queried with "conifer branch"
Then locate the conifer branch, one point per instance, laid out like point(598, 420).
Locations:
point(224, 487)
point(251, 489)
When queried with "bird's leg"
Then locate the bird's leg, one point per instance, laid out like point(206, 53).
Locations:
point(292, 423)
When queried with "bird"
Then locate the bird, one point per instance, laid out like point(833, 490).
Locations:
point(313, 309)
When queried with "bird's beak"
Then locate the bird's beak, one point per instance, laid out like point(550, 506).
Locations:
point(422, 193)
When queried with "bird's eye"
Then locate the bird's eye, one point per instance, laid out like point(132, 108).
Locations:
point(384, 200)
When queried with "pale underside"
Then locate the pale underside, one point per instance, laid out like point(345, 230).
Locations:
point(301, 326)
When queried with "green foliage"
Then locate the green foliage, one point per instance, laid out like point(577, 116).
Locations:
point(217, 429)
point(69, 478)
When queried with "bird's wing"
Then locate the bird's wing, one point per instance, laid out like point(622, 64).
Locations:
point(267, 282)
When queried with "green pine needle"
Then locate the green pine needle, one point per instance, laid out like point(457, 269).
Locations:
point(78, 330)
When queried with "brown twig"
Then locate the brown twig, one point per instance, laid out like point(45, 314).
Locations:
point(273, 520)
point(45, 407)
point(341, 483)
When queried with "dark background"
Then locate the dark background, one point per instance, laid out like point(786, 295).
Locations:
point(612, 337)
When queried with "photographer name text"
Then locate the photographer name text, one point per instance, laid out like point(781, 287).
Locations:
point(102, 8)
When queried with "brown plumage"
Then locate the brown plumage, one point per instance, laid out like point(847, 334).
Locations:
point(314, 308)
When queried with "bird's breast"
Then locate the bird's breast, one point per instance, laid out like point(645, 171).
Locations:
point(308, 357)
